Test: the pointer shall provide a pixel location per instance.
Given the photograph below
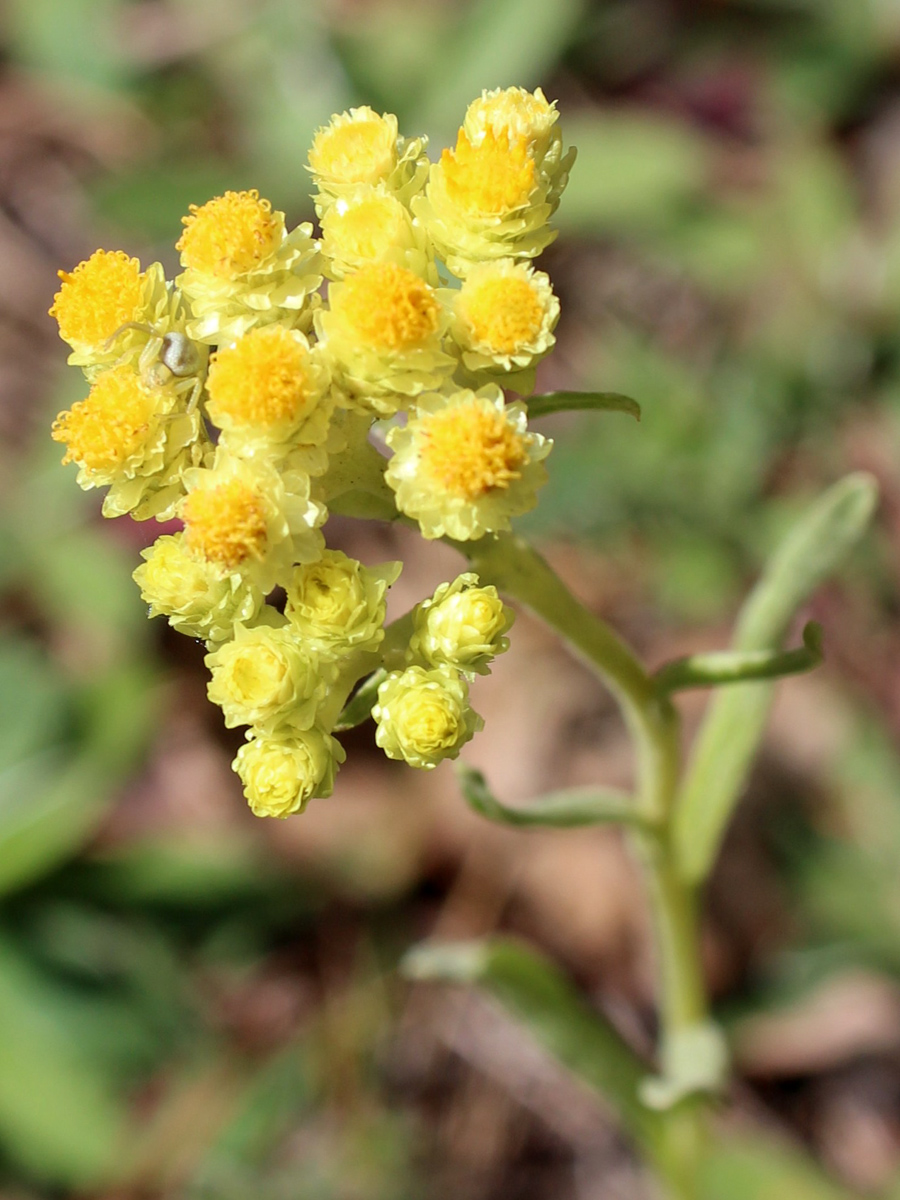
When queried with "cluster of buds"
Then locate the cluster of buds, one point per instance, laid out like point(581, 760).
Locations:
point(239, 400)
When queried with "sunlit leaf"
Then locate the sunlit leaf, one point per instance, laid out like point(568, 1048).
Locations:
point(736, 719)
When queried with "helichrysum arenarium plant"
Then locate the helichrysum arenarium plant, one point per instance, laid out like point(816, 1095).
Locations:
point(282, 376)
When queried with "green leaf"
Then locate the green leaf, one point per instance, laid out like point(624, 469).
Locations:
point(735, 666)
point(51, 799)
point(360, 705)
point(561, 810)
point(635, 173)
point(736, 719)
point(72, 40)
point(554, 402)
point(536, 993)
point(761, 1168)
point(59, 1118)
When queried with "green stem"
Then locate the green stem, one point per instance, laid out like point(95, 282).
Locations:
point(517, 569)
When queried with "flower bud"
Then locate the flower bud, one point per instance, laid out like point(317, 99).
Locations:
point(197, 601)
point(337, 605)
point(424, 716)
point(282, 772)
point(265, 677)
point(461, 626)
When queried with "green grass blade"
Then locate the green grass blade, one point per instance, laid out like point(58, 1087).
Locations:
point(735, 722)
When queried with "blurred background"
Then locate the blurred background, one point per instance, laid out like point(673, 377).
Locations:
point(198, 1005)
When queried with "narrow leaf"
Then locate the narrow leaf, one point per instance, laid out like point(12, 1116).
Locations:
point(560, 810)
point(735, 722)
point(59, 1116)
point(359, 707)
point(734, 666)
point(536, 993)
point(554, 402)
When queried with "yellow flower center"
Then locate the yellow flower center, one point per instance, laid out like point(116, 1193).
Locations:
point(360, 150)
point(261, 380)
point(504, 312)
point(425, 719)
point(229, 235)
point(470, 449)
point(105, 430)
point(226, 523)
point(388, 307)
point(98, 297)
point(489, 179)
point(365, 230)
point(257, 676)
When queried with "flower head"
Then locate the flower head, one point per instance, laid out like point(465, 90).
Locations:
point(191, 593)
point(242, 268)
point(464, 464)
point(132, 437)
point(494, 193)
point(268, 392)
point(503, 320)
point(104, 296)
point(243, 517)
point(370, 225)
point(363, 147)
point(383, 331)
point(266, 677)
point(282, 772)
point(462, 625)
point(337, 605)
point(423, 716)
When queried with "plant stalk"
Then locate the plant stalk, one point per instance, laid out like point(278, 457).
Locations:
point(516, 568)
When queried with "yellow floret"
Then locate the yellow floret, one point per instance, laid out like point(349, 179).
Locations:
point(102, 432)
point(362, 149)
point(388, 307)
point(504, 312)
point(261, 380)
point(226, 524)
point(470, 450)
point(98, 297)
point(490, 178)
point(229, 235)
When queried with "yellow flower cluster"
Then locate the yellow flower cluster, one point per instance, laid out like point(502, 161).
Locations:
point(239, 399)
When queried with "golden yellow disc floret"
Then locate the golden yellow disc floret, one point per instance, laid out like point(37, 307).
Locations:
point(98, 297)
point(468, 450)
point(261, 380)
point(229, 235)
point(354, 151)
point(489, 179)
point(225, 524)
point(388, 307)
point(105, 430)
point(504, 312)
